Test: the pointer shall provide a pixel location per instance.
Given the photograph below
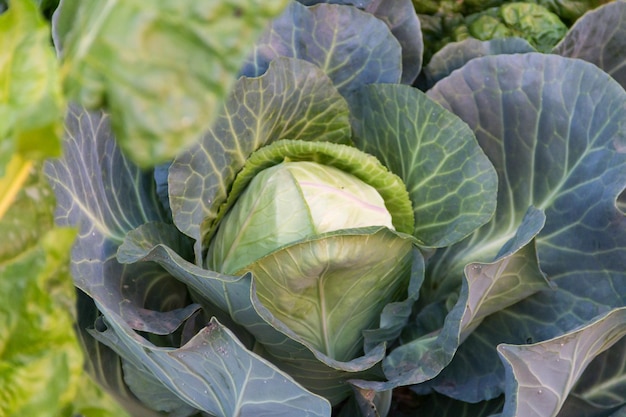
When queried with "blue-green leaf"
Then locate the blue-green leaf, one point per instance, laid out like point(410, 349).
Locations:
point(456, 54)
point(213, 372)
point(487, 288)
point(562, 120)
point(401, 18)
point(105, 195)
point(351, 46)
point(599, 37)
point(449, 179)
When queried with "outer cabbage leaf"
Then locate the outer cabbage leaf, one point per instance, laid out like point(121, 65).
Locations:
point(450, 181)
point(599, 37)
point(161, 68)
point(107, 369)
point(400, 16)
point(437, 405)
point(405, 26)
point(454, 55)
point(214, 373)
point(294, 100)
point(351, 46)
point(603, 383)
point(562, 120)
point(105, 195)
point(543, 374)
point(488, 288)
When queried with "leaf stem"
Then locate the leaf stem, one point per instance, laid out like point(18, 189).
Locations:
point(14, 177)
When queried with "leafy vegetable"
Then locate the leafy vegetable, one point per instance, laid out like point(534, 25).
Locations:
point(38, 375)
point(160, 68)
point(541, 22)
point(324, 239)
point(30, 102)
point(530, 21)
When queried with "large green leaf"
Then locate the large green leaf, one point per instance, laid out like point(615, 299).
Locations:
point(450, 181)
point(599, 37)
point(544, 373)
point(40, 358)
point(553, 127)
point(351, 46)
point(161, 68)
point(293, 100)
point(30, 97)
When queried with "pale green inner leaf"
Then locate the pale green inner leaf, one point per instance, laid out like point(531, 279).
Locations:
point(328, 290)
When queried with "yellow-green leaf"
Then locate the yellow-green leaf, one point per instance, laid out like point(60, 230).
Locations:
point(31, 104)
point(160, 67)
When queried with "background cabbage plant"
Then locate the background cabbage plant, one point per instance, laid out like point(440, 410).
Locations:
point(503, 170)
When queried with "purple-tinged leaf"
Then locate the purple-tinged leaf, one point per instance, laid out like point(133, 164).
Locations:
point(351, 46)
point(599, 37)
point(542, 375)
